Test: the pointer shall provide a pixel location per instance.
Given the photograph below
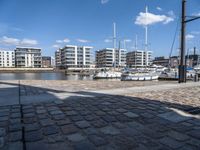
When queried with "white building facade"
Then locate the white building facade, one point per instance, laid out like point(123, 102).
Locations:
point(28, 57)
point(72, 56)
point(139, 58)
point(109, 58)
point(7, 59)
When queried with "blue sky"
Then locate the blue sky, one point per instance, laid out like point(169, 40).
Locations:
point(50, 24)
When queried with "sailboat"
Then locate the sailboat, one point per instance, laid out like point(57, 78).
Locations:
point(142, 74)
point(107, 74)
point(112, 73)
point(139, 76)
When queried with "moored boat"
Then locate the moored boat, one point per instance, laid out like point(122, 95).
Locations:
point(107, 75)
point(139, 76)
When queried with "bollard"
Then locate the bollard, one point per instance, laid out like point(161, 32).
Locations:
point(196, 78)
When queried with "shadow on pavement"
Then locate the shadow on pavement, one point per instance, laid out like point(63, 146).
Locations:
point(88, 120)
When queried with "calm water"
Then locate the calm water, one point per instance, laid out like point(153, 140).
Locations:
point(42, 76)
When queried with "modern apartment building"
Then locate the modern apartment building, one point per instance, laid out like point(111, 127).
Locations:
point(58, 58)
point(72, 56)
point(28, 57)
point(53, 61)
point(138, 58)
point(161, 61)
point(46, 61)
point(109, 58)
point(7, 58)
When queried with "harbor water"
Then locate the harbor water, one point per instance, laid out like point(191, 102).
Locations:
point(43, 76)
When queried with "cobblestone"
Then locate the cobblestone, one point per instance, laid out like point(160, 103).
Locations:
point(151, 120)
point(171, 143)
point(15, 146)
point(55, 138)
point(82, 124)
point(46, 122)
point(76, 137)
point(50, 130)
point(33, 136)
point(110, 130)
point(15, 136)
point(130, 115)
point(2, 132)
point(70, 128)
point(32, 127)
point(15, 127)
point(2, 142)
point(97, 140)
point(85, 145)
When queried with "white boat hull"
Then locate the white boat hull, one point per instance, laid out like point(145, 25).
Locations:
point(139, 78)
point(107, 75)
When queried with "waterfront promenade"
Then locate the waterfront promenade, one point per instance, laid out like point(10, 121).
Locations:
point(101, 115)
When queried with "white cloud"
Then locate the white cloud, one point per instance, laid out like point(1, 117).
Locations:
point(8, 41)
point(82, 41)
point(158, 8)
point(171, 13)
point(59, 41)
point(56, 46)
point(189, 36)
point(104, 1)
point(107, 40)
point(195, 32)
point(128, 40)
point(28, 42)
point(150, 18)
point(196, 14)
point(66, 40)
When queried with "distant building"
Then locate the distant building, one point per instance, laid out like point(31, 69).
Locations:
point(58, 58)
point(46, 61)
point(193, 60)
point(72, 56)
point(138, 58)
point(105, 58)
point(28, 57)
point(161, 61)
point(174, 61)
point(52, 62)
point(7, 58)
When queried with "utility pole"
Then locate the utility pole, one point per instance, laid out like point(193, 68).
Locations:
point(182, 66)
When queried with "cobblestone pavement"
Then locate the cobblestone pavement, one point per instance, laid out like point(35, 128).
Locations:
point(184, 96)
point(42, 86)
point(140, 121)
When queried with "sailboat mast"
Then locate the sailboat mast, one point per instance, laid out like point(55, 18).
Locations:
point(119, 55)
point(146, 31)
point(124, 44)
point(114, 42)
point(146, 37)
point(136, 42)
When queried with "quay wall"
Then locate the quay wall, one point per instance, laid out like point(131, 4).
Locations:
point(13, 70)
